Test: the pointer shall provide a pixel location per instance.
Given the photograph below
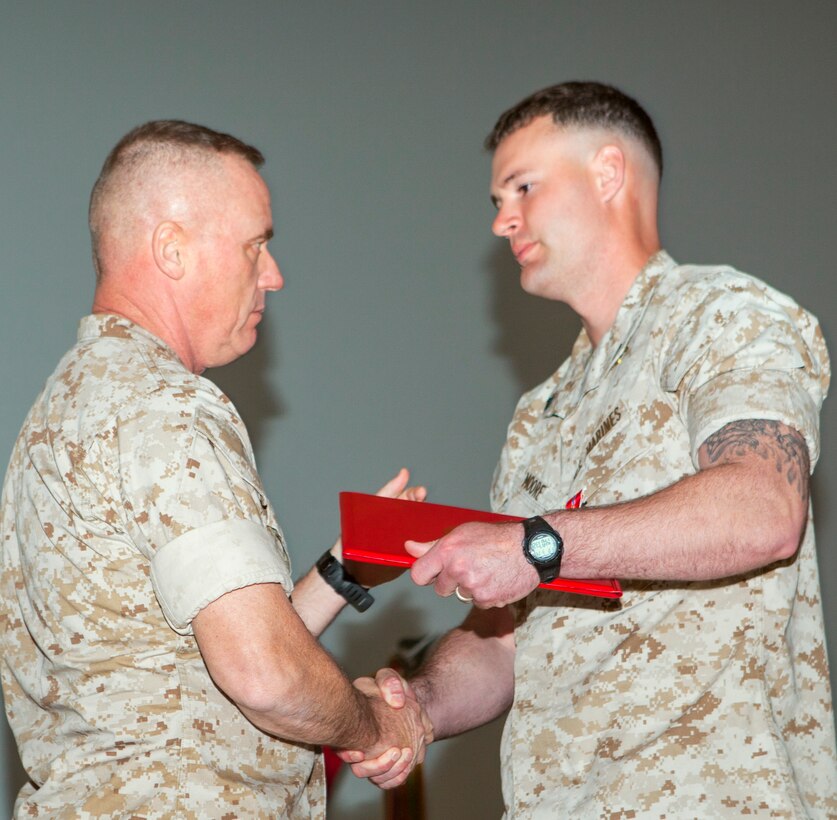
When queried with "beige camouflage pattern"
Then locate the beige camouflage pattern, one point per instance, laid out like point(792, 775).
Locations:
point(132, 500)
point(684, 699)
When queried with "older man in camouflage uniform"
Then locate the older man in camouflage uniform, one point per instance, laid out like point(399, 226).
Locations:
point(687, 416)
point(154, 664)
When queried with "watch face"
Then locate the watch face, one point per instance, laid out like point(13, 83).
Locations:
point(543, 547)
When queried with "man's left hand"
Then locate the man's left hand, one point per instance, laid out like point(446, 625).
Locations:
point(482, 562)
point(371, 575)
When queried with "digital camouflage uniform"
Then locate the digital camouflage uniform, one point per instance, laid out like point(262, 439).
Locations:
point(132, 501)
point(684, 699)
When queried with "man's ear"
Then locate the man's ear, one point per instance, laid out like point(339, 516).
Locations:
point(610, 171)
point(168, 248)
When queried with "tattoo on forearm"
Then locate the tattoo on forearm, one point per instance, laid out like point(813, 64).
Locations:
point(770, 440)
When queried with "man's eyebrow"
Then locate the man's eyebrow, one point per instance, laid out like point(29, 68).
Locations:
point(264, 237)
point(495, 201)
point(511, 177)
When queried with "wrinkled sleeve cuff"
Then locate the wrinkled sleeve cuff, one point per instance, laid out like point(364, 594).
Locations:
point(200, 566)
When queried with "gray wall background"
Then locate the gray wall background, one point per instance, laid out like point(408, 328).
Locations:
point(401, 336)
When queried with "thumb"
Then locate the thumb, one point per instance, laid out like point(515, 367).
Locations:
point(392, 686)
point(418, 548)
point(395, 485)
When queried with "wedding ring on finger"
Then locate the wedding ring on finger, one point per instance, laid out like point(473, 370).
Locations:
point(461, 596)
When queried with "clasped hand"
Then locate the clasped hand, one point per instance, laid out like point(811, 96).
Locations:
point(404, 731)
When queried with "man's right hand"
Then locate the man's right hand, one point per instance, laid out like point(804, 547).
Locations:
point(483, 562)
point(399, 716)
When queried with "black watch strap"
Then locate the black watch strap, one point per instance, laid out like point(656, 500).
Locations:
point(342, 582)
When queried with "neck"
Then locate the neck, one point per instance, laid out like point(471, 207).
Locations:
point(159, 317)
point(607, 287)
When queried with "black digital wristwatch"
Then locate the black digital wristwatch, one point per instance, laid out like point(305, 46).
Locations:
point(543, 548)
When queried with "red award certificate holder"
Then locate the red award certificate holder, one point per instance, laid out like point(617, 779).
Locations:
point(374, 530)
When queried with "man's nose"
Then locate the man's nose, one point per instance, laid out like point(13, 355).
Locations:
point(271, 277)
point(506, 221)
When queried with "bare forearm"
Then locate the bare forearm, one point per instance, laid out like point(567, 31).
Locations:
point(731, 517)
point(277, 674)
point(467, 681)
point(316, 603)
point(745, 509)
point(321, 707)
point(469, 678)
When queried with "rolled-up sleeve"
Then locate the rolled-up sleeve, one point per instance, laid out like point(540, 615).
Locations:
point(743, 355)
point(201, 565)
point(200, 514)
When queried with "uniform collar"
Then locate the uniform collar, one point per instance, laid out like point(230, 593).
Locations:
point(99, 325)
point(616, 341)
point(588, 366)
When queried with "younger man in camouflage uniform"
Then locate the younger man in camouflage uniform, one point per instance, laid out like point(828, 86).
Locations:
point(687, 415)
point(154, 664)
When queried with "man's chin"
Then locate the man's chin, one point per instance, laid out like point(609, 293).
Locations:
point(234, 352)
point(245, 345)
point(531, 280)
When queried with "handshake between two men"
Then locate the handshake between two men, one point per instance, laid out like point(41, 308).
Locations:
point(480, 563)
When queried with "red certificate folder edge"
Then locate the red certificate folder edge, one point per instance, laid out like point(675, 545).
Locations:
point(374, 530)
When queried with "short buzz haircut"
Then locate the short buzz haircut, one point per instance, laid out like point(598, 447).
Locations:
point(159, 142)
point(583, 105)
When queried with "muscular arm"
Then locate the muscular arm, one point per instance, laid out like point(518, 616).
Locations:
point(262, 656)
point(744, 509)
point(468, 680)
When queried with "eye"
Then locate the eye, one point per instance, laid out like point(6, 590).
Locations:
point(524, 188)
